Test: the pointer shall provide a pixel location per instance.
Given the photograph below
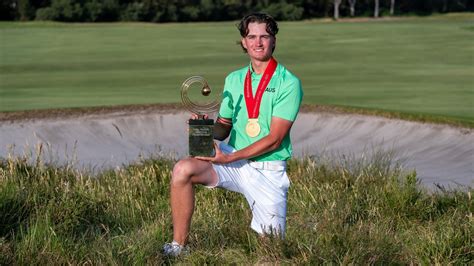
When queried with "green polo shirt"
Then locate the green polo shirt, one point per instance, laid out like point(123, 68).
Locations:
point(282, 98)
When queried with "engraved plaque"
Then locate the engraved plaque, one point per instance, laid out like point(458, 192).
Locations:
point(201, 137)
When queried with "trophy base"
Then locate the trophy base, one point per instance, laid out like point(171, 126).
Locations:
point(201, 137)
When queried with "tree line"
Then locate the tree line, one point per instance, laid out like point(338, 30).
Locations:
point(217, 10)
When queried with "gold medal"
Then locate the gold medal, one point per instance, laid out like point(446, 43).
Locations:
point(252, 128)
point(253, 103)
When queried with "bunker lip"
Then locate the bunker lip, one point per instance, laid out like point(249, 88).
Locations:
point(109, 137)
point(74, 112)
point(63, 113)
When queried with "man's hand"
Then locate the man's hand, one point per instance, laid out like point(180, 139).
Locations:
point(279, 128)
point(219, 158)
point(196, 116)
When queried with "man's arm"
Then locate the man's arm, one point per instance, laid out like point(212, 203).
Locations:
point(278, 129)
point(222, 128)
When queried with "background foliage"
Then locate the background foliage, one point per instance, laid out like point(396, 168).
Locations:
point(419, 66)
point(209, 10)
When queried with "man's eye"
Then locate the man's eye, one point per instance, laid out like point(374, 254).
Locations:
point(250, 37)
point(266, 37)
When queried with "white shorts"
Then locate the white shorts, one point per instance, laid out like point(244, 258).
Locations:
point(264, 185)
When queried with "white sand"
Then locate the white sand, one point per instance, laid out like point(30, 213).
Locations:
point(440, 154)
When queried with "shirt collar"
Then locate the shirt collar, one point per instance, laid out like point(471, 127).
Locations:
point(252, 72)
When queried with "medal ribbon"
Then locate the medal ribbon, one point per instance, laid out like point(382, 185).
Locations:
point(253, 103)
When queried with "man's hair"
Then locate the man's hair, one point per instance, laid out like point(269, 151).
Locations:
point(243, 26)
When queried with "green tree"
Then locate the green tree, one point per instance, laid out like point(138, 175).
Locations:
point(26, 10)
point(215, 10)
point(284, 11)
point(105, 10)
point(352, 4)
point(7, 9)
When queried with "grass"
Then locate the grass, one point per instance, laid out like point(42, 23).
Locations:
point(344, 211)
point(341, 211)
point(421, 67)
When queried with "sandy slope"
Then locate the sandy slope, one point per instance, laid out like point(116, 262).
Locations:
point(440, 154)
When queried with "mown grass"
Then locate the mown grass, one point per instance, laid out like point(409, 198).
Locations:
point(347, 211)
point(419, 66)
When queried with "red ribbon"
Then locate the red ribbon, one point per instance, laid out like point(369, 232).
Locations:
point(253, 103)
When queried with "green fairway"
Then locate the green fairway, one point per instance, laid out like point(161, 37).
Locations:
point(414, 65)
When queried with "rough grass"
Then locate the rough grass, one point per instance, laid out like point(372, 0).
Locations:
point(364, 211)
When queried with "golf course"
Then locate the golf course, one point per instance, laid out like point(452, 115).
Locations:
point(91, 125)
point(417, 66)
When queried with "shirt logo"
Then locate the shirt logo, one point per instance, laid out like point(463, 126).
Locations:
point(270, 89)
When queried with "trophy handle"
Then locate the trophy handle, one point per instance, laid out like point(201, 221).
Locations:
point(198, 109)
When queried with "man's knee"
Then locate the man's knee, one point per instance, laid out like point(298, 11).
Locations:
point(182, 172)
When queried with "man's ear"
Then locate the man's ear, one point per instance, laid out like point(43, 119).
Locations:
point(243, 43)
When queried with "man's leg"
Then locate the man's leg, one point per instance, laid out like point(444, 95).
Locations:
point(187, 173)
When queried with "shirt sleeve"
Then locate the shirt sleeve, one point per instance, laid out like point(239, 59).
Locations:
point(288, 102)
point(227, 106)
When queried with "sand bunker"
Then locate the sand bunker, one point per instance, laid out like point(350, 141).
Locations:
point(440, 154)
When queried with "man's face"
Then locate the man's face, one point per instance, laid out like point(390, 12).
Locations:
point(258, 42)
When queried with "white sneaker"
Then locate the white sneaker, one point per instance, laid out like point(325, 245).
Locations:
point(174, 249)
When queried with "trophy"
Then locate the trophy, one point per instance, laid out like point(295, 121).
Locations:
point(201, 137)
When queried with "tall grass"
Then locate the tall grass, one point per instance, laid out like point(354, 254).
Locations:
point(344, 211)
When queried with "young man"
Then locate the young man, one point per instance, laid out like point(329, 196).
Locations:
point(260, 103)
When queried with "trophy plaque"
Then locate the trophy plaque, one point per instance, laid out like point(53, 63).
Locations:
point(201, 135)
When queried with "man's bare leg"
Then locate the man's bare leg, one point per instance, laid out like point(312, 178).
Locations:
point(187, 173)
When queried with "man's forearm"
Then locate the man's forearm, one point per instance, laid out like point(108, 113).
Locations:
point(264, 145)
point(279, 128)
point(222, 129)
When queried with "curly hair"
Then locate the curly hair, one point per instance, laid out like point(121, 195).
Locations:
point(243, 25)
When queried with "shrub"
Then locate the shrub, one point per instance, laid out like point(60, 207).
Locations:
point(285, 11)
point(190, 13)
point(66, 10)
point(46, 13)
point(134, 12)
